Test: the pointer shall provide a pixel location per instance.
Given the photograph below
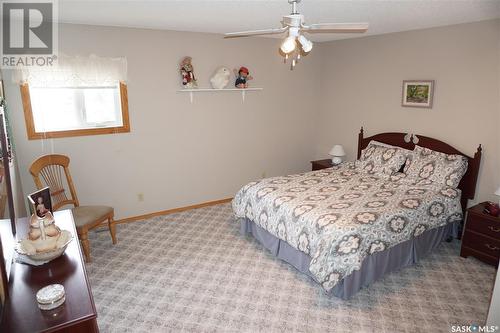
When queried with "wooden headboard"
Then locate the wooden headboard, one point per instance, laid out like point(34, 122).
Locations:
point(467, 184)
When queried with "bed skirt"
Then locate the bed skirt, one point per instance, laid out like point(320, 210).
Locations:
point(374, 266)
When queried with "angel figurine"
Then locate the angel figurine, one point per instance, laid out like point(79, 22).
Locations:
point(187, 73)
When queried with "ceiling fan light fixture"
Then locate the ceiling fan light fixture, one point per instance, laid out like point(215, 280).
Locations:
point(294, 25)
point(306, 44)
point(288, 45)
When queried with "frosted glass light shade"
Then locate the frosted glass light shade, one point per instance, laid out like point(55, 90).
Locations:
point(306, 44)
point(288, 45)
point(337, 151)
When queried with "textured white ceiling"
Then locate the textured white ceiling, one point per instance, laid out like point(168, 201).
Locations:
point(237, 15)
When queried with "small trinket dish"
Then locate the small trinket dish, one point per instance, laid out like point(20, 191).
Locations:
point(51, 296)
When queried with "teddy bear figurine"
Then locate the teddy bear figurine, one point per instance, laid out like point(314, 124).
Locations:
point(242, 77)
point(221, 77)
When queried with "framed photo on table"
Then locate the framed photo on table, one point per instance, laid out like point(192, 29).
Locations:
point(40, 202)
point(418, 93)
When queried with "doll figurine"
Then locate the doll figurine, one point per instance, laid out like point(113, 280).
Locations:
point(187, 73)
point(242, 76)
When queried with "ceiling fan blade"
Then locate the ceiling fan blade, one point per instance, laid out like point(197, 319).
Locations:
point(336, 28)
point(255, 32)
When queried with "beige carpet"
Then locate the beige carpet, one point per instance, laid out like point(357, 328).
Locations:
point(194, 272)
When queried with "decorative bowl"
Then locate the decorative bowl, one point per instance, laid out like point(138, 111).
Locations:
point(25, 248)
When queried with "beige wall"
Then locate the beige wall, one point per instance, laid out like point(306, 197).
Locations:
point(362, 87)
point(180, 153)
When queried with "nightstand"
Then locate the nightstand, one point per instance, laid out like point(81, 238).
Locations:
point(321, 164)
point(481, 238)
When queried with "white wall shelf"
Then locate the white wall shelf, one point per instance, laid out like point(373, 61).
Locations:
point(241, 90)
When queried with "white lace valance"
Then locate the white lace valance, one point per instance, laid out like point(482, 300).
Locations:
point(75, 71)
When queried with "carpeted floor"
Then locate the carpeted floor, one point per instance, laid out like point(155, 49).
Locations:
point(193, 272)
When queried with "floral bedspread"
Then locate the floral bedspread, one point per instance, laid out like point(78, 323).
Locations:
point(340, 215)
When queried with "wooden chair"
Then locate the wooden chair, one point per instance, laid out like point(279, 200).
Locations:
point(54, 171)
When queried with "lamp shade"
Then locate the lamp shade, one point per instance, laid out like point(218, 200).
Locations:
point(288, 45)
point(497, 192)
point(306, 44)
point(337, 150)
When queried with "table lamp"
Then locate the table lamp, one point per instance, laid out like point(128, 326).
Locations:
point(337, 152)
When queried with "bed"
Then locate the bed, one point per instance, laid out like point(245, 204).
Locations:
point(347, 226)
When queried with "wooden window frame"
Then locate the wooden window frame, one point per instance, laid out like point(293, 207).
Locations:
point(33, 135)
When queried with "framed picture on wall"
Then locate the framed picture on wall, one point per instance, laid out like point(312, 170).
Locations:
point(418, 93)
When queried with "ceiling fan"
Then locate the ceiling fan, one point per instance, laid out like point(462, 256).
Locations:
point(295, 26)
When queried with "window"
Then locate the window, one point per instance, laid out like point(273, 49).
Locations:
point(55, 112)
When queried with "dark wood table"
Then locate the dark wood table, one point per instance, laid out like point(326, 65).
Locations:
point(321, 164)
point(77, 314)
point(481, 238)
